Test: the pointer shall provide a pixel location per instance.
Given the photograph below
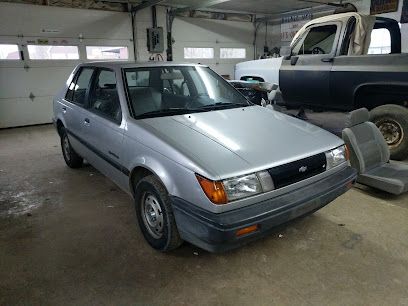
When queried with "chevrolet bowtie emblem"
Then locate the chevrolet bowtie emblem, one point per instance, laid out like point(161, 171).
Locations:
point(303, 169)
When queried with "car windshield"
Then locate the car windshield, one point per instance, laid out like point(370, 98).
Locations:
point(175, 90)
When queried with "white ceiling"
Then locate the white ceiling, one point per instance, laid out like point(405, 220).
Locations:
point(248, 6)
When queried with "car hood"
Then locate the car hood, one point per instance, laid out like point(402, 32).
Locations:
point(236, 141)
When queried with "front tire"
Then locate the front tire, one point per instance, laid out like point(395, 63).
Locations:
point(392, 120)
point(155, 215)
point(72, 158)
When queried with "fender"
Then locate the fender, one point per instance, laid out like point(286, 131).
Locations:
point(156, 167)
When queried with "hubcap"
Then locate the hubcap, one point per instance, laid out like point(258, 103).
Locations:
point(66, 148)
point(152, 215)
point(392, 132)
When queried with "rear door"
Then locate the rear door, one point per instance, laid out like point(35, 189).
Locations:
point(103, 127)
point(73, 108)
point(305, 76)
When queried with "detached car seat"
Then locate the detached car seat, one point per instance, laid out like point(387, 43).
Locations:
point(370, 155)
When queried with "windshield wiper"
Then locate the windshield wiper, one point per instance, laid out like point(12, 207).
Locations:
point(168, 112)
point(223, 105)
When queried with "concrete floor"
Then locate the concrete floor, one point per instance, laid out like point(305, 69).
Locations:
point(70, 237)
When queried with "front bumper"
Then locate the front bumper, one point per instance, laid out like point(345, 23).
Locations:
point(217, 232)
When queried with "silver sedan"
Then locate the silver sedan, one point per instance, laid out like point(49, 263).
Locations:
point(202, 163)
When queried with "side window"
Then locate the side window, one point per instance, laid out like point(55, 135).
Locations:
point(78, 87)
point(319, 40)
point(104, 96)
point(380, 41)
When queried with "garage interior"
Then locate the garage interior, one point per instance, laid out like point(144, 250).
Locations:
point(70, 237)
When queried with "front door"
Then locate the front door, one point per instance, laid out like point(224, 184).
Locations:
point(305, 76)
point(103, 127)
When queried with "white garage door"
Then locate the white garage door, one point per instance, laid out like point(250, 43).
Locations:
point(39, 50)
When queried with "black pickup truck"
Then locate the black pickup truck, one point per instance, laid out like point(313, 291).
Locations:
point(328, 67)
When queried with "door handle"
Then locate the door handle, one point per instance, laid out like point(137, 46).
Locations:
point(64, 109)
point(327, 60)
point(87, 121)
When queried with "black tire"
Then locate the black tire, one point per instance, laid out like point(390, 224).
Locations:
point(72, 159)
point(150, 193)
point(392, 120)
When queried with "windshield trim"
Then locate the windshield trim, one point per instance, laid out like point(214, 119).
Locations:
point(209, 108)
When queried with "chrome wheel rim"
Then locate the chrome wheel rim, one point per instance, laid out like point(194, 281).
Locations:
point(66, 148)
point(392, 132)
point(152, 215)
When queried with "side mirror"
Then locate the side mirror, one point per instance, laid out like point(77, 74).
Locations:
point(286, 52)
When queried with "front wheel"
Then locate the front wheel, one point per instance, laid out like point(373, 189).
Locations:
point(155, 215)
point(392, 121)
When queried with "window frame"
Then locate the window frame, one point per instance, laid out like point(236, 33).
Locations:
point(107, 59)
point(307, 31)
point(74, 80)
point(199, 58)
point(53, 59)
point(20, 54)
point(89, 96)
point(233, 58)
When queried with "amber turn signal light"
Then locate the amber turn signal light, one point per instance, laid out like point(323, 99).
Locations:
point(247, 230)
point(347, 151)
point(213, 190)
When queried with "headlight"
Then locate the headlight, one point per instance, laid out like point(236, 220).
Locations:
point(336, 157)
point(236, 188)
point(248, 185)
point(242, 187)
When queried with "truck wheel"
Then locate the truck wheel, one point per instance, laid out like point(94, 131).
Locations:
point(72, 159)
point(392, 120)
point(155, 215)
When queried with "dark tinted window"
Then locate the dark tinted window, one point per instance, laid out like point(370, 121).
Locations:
point(319, 40)
point(104, 96)
point(77, 89)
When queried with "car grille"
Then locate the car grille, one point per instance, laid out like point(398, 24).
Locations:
point(297, 171)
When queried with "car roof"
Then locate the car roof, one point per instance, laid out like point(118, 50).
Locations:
point(137, 64)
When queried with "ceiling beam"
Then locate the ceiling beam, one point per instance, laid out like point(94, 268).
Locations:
point(145, 4)
point(200, 5)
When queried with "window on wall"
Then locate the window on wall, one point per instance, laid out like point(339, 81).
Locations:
point(9, 52)
point(196, 53)
point(42, 52)
point(107, 53)
point(232, 53)
point(380, 42)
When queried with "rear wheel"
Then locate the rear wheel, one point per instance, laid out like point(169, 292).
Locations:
point(72, 159)
point(392, 121)
point(155, 215)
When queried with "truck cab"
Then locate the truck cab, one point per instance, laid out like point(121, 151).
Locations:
point(332, 65)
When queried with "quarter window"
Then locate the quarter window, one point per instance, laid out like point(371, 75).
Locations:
point(319, 40)
point(106, 53)
point(41, 52)
point(9, 52)
point(104, 96)
point(380, 42)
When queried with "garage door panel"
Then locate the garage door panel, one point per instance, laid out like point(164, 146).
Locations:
point(18, 83)
point(23, 111)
